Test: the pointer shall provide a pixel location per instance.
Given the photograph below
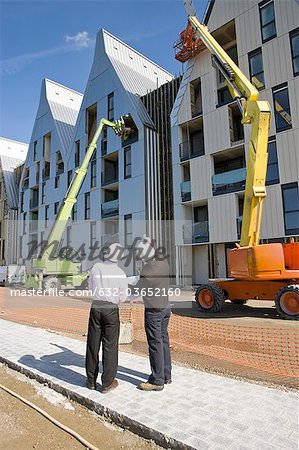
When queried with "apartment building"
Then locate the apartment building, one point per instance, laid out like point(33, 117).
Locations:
point(43, 180)
point(12, 155)
point(121, 196)
point(209, 143)
point(128, 186)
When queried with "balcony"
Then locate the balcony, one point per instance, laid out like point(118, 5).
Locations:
point(186, 191)
point(110, 208)
point(196, 232)
point(109, 178)
point(191, 149)
point(231, 181)
point(107, 239)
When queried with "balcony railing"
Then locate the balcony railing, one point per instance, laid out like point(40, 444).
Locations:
point(231, 181)
point(191, 149)
point(108, 178)
point(107, 239)
point(110, 208)
point(186, 191)
point(196, 232)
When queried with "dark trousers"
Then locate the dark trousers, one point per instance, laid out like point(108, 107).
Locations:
point(156, 323)
point(103, 328)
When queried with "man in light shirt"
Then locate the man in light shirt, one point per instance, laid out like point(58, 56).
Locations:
point(109, 285)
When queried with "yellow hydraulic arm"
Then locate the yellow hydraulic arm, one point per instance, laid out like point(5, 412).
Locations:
point(257, 114)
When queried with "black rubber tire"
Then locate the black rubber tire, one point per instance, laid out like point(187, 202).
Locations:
point(218, 297)
point(238, 302)
point(52, 282)
point(279, 308)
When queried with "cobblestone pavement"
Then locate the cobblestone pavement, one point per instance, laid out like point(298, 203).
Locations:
point(198, 410)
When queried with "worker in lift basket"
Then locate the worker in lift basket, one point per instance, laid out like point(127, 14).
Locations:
point(109, 286)
point(154, 286)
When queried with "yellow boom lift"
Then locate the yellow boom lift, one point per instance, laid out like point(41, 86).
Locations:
point(50, 272)
point(264, 272)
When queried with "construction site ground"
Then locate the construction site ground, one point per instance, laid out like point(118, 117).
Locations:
point(269, 357)
point(21, 426)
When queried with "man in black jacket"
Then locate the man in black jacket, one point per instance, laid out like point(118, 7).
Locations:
point(154, 286)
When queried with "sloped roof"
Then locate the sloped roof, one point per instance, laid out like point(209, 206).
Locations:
point(8, 164)
point(64, 104)
point(137, 73)
point(13, 148)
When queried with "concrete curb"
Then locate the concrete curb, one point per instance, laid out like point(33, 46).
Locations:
point(107, 413)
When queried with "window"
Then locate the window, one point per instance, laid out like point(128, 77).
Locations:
point(223, 93)
point(290, 197)
point(47, 147)
point(69, 178)
point(93, 171)
point(21, 246)
point(110, 114)
point(294, 38)
point(22, 202)
point(74, 212)
point(43, 193)
point(34, 150)
point(127, 163)
point(104, 141)
point(87, 206)
point(93, 233)
point(56, 182)
point(200, 229)
point(128, 230)
point(42, 233)
point(196, 98)
point(3, 250)
point(256, 69)
point(236, 128)
point(56, 207)
point(0, 189)
point(46, 215)
point(68, 236)
point(272, 168)
point(267, 18)
point(283, 119)
point(24, 223)
point(91, 122)
point(77, 153)
point(59, 163)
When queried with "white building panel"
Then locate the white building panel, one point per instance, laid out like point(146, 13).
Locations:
point(216, 130)
point(272, 220)
point(223, 218)
point(277, 61)
point(247, 27)
point(201, 174)
point(288, 156)
point(287, 19)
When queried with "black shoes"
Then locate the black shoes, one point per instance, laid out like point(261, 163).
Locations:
point(91, 385)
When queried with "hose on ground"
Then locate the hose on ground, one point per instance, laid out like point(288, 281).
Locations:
point(51, 419)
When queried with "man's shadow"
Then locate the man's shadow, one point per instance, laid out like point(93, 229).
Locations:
point(56, 364)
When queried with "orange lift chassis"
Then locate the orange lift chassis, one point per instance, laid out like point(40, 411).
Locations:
point(267, 271)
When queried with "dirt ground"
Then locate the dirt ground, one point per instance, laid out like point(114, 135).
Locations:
point(21, 427)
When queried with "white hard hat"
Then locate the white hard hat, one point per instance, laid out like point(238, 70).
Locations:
point(145, 249)
point(114, 252)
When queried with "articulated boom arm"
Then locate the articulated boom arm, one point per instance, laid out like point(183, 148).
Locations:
point(73, 190)
point(257, 114)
